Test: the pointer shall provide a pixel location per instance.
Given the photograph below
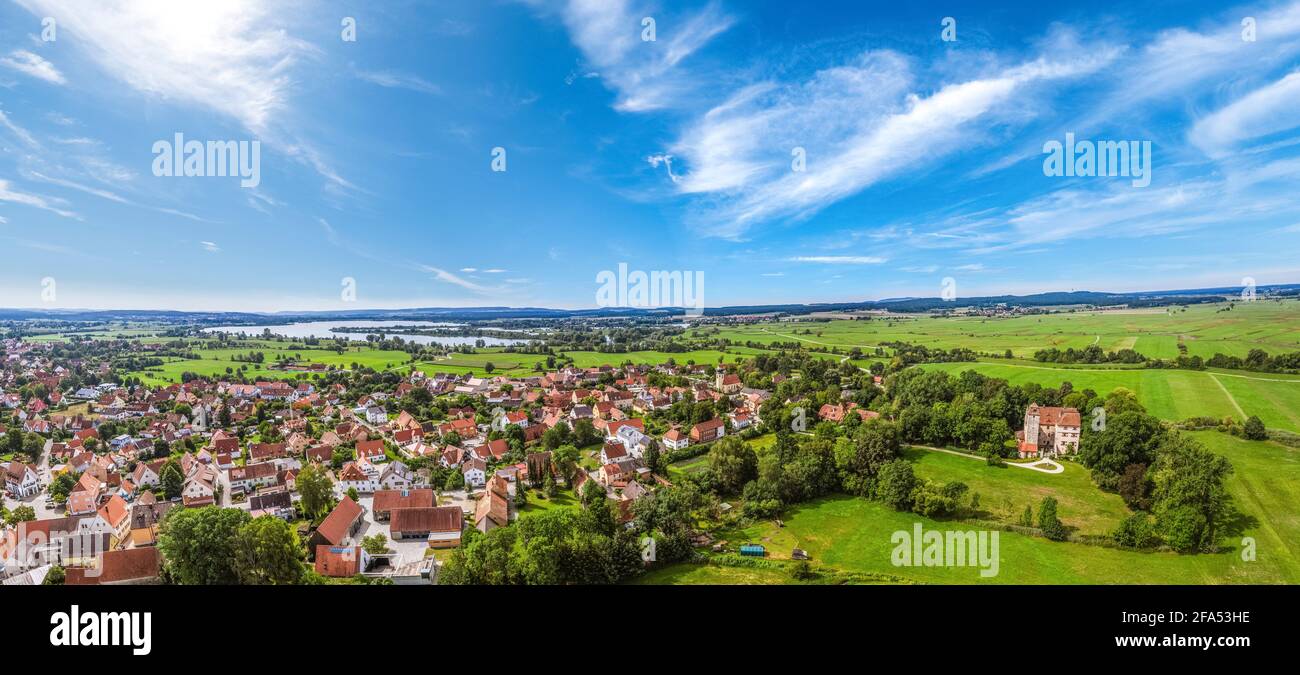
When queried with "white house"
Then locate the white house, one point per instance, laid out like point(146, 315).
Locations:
point(22, 480)
point(376, 415)
point(353, 476)
point(396, 476)
point(475, 471)
point(197, 491)
point(632, 439)
point(676, 440)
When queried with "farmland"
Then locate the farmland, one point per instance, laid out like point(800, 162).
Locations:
point(1168, 394)
point(215, 362)
point(1202, 329)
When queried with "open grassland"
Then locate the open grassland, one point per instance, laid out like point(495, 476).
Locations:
point(1006, 491)
point(849, 535)
point(1204, 330)
point(1265, 486)
point(214, 362)
point(1168, 394)
point(850, 538)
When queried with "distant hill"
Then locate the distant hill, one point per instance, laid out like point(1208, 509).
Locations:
point(1140, 299)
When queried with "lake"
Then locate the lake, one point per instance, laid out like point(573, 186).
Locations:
point(325, 329)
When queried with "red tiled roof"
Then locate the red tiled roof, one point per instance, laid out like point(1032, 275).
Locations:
point(336, 525)
point(129, 564)
point(428, 519)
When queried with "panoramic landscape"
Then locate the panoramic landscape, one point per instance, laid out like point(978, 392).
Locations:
point(602, 292)
point(778, 447)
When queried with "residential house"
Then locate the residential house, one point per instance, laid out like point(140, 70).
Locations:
point(21, 480)
point(708, 431)
point(493, 508)
point(278, 503)
point(674, 439)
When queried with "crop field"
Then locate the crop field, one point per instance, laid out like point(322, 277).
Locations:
point(1203, 329)
point(214, 362)
point(1168, 394)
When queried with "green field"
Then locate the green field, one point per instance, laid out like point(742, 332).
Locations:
point(697, 357)
point(847, 535)
point(1169, 394)
point(214, 362)
point(1006, 491)
point(1203, 329)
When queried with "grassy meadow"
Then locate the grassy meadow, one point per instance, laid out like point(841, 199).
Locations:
point(1204, 330)
point(849, 538)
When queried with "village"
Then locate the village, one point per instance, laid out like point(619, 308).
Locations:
point(188, 453)
point(397, 489)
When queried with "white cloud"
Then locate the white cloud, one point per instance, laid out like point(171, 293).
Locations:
point(32, 64)
point(469, 270)
point(840, 259)
point(98, 192)
point(1264, 111)
point(210, 247)
point(22, 134)
point(644, 74)
point(232, 57)
point(393, 80)
point(450, 278)
point(51, 204)
point(859, 124)
point(235, 58)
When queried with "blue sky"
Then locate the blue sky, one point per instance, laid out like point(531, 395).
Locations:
point(924, 158)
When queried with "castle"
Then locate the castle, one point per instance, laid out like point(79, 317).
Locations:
point(1049, 431)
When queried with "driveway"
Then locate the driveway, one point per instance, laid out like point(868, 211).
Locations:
point(1042, 466)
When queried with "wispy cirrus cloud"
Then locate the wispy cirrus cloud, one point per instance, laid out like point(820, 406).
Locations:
point(51, 204)
point(646, 75)
point(1266, 110)
point(19, 132)
point(394, 80)
point(840, 259)
point(858, 124)
point(34, 65)
point(453, 279)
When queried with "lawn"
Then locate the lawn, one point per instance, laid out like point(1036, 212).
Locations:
point(713, 575)
point(563, 499)
point(1006, 491)
point(1265, 485)
point(848, 535)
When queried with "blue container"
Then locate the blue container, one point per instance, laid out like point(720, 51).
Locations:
point(753, 549)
